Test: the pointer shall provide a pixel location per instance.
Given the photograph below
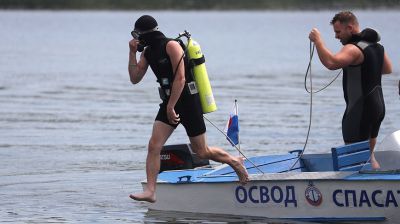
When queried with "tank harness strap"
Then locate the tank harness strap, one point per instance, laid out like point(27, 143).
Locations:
point(164, 93)
point(190, 85)
point(197, 61)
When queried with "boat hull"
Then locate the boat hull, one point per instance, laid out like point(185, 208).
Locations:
point(320, 196)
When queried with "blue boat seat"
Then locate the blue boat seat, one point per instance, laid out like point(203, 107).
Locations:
point(351, 157)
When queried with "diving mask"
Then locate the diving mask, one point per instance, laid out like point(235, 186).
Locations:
point(136, 33)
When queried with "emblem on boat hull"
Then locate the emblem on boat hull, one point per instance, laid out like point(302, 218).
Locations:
point(313, 195)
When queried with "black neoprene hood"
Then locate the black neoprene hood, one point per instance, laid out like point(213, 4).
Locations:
point(145, 23)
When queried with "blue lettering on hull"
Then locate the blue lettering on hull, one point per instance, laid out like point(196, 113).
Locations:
point(265, 195)
point(362, 198)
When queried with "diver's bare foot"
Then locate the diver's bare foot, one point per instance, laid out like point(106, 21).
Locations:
point(148, 196)
point(240, 169)
point(374, 164)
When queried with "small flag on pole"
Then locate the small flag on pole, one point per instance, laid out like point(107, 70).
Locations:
point(232, 126)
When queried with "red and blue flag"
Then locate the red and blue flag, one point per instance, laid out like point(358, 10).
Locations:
point(232, 127)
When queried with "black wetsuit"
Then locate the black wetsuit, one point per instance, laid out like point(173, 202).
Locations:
point(365, 107)
point(188, 106)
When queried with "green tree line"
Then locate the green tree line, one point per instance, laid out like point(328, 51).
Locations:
point(199, 4)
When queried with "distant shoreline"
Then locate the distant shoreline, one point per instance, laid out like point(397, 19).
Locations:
point(199, 4)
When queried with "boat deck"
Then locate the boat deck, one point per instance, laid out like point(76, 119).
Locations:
point(281, 167)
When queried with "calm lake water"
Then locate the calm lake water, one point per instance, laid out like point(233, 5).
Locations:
point(73, 130)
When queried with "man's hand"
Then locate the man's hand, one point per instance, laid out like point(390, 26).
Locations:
point(315, 36)
point(133, 45)
point(173, 118)
point(136, 69)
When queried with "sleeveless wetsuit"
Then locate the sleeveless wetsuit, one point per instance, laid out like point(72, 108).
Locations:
point(365, 107)
point(188, 106)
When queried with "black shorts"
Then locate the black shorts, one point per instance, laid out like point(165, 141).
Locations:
point(191, 115)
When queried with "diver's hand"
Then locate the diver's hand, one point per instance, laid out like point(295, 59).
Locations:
point(315, 36)
point(133, 44)
point(173, 118)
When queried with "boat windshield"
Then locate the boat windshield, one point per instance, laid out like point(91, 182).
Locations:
point(387, 153)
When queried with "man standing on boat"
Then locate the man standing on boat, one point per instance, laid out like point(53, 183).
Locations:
point(363, 61)
point(178, 105)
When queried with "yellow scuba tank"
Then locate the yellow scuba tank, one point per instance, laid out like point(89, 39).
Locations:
point(199, 70)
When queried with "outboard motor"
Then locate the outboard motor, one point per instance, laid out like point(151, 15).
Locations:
point(179, 157)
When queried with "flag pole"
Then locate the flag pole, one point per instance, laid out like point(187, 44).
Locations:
point(237, 112)
point(230, 141)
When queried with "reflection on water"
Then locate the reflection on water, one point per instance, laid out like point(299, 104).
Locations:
point(74, 131)
point(153, 216)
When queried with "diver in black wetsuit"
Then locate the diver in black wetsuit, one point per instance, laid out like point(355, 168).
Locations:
point(363, 61)
point(179, 105)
